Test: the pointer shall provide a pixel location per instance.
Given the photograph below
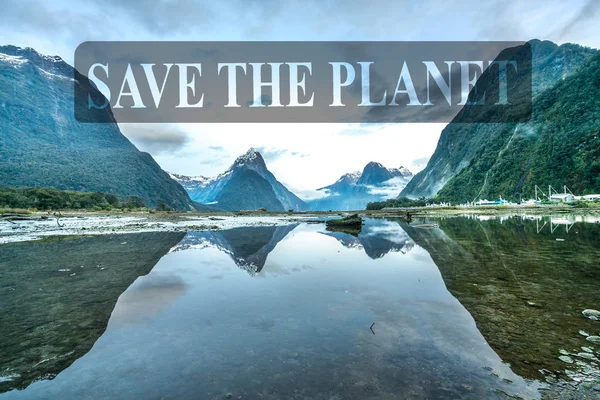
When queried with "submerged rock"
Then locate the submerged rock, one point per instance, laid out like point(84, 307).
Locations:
point(594, 315)
point(351, 224)
point(593, 339)
point(350, 220)
point(587, 356)
point(566, 359)
point(587, 349)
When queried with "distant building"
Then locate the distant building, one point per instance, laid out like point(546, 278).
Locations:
point(485, 202)
point(591, 197)
point(562, 198)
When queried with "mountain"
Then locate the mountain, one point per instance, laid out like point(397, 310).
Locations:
point(560, 146)
point(190, 183)
point(43, 145)
point(473, 149)
point(354, 190)
point(246, 185)
point(347, 180)
point(374, 173)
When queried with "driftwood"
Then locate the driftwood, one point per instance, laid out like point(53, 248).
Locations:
point(16, 217)
point(58, 216)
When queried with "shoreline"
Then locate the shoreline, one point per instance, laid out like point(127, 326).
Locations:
point(37, 225)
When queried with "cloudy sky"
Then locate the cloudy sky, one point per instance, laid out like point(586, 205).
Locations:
point(303, 156)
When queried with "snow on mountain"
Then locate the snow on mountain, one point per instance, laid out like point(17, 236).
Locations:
point(354, 190)
point(191, 181)
point(50, 66)
point(346, 179)
point(247, 184)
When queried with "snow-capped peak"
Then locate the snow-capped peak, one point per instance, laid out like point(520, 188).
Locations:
point(401, 171)
point(51, 66)
point(12, 59)
point(350, 177)
point(374, 164)
point(191, 181)
point(252, 158)
point(250, 155)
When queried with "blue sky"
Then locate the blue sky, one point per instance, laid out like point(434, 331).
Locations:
point(300, 155)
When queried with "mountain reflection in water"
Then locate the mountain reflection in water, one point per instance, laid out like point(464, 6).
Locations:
point(377, 238)
point(284, 312)
point(248, 247)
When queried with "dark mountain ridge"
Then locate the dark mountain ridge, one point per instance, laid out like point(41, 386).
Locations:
point(43, 145)
point(472, 149)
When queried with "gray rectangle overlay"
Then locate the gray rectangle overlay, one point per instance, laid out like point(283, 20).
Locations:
point(367, 82)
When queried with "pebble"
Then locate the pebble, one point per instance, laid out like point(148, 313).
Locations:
point(587, 356)
point(587, 349)
point(566, 359)
point(593, 339)
point(594, 315)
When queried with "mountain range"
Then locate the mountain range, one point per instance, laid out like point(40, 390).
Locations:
point(559, 146)
point(43, 145)
point(246, 185)
point(354, 190)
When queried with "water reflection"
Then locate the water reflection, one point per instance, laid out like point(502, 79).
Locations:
point(248, 247)
point(56, 297)
point(377, 238)
point(284, 312)
point(526, 286)
point(198, 326)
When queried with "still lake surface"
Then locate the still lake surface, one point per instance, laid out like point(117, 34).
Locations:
point(476, 308)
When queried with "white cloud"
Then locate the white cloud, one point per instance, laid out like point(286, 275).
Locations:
point(317, 154)
point(307, 194)
point(390, 188)
point(156, 138)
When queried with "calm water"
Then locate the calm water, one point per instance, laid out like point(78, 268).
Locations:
point(473, 309)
